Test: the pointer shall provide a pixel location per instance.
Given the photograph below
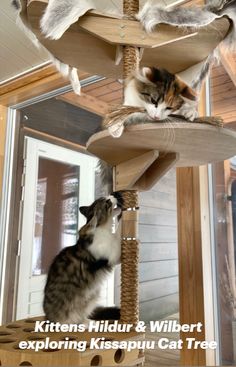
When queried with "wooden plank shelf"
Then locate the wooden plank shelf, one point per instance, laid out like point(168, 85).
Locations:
point(95, 34)
point(183, 144)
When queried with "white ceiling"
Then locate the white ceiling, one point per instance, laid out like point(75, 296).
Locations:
point(17, 53)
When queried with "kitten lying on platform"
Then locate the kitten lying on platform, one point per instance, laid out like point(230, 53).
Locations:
point(76, 274)
point(155, 95)
point(161, 94)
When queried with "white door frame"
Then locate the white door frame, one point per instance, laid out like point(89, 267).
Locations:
point(36, 149)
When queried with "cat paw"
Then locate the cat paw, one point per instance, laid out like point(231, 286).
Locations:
point(189, 112)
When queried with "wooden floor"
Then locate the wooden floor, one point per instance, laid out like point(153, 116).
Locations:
point(159, 357)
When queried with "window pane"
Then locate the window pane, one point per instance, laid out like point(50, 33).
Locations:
point(56, 217)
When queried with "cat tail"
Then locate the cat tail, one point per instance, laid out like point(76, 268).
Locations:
point(205, 70)
point(106, 176)
point(105, 313)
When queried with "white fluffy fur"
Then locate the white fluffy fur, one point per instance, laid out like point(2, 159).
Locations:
point(107, 238)
point(59, 16)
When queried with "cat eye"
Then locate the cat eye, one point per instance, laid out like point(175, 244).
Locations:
point(145, 94)
point(169, 108)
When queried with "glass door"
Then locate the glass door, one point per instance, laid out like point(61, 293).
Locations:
point(56, 182)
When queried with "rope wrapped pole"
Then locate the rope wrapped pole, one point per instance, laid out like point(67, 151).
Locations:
point(130, 244)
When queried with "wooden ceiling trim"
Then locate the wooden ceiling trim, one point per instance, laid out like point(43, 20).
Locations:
point(85, 101)
point(38, 82)
point(229, 63)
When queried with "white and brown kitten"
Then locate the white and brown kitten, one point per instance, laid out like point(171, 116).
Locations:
point(75, 277)
point(160, 93)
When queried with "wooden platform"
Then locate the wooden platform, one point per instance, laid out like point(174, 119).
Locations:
point(144, 153)
point(23, 330)
point(96, 34)
point(196, 144)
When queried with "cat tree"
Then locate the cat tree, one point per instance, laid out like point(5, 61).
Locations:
point(140, 157)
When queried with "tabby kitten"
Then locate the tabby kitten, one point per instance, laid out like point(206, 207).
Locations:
point(161, 94)
point(76, 274)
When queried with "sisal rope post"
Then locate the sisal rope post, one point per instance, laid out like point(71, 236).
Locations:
point(130, 244)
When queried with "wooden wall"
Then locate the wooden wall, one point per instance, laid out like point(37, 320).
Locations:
point(158, 254)
point(223, 94)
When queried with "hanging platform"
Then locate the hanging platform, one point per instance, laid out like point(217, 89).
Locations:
point(91, 43)
point(11, 355)
point(144, 153)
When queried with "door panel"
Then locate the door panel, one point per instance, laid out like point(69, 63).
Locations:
point(57, 181)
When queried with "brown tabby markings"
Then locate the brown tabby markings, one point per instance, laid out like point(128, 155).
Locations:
point(76, 274)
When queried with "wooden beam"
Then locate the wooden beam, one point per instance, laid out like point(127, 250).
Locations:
point(31, 85)
point(190, 262)
point(127, 173)
point(191, 285)
point(85, 101)
point(228, 61)
point(156, 171)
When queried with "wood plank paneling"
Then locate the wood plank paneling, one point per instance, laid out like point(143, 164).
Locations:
point(165, 306)
point(62, 120)
point(158, 251)
point(223, 94)
point(156, 270)
point(18, 53)
point(148, 290)
point(152, 233)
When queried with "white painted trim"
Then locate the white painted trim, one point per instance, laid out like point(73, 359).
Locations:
point(6, 200)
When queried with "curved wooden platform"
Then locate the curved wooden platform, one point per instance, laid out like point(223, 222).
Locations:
point(155, 147)
point(96, 34)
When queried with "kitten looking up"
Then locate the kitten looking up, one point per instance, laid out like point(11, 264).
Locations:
point(76, 275)
point(160, 93)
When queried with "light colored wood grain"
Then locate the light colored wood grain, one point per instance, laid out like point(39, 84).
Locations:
point(43, 80)
point(127, 173)
point(229, 63)
point(13, 333)
point(190, 141)
point(190, 260)
point(34, 89)
point(85, 101)
point(156, 171)
point(129, 32)
point(77, 46)
point(191, 283)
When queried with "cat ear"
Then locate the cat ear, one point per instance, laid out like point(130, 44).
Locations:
point(186, 91)
point(84, 210)
point(144, 75)
point(189, 93)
